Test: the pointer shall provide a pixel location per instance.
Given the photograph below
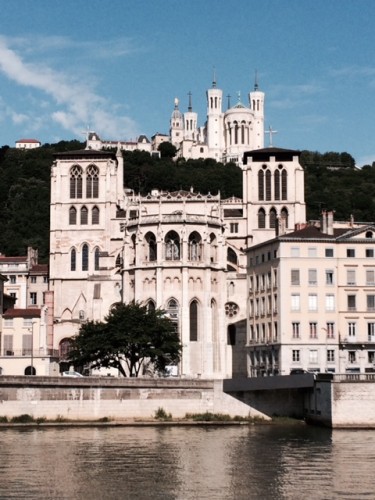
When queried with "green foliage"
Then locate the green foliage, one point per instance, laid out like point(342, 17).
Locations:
point(161, 414)
point(3, 419)
point(130, 336)
point(22, 419)
point(167, 150)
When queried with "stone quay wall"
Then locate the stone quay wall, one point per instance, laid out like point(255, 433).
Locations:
point(342, 401)
point(93, 398)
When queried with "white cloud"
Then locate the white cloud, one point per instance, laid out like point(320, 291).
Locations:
point(76, 105)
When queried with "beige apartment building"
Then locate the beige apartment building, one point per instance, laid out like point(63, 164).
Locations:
point(311, 300)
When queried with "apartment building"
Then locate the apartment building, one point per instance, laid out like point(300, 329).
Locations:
point(311, 300)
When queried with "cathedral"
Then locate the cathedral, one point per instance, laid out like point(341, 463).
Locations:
point(226, 135)
point(182, 251)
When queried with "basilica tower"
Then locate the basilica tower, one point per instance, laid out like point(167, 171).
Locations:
point(256, 100)
point(214, 126)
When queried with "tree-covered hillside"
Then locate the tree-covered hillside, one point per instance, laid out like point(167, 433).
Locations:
point(331, 181)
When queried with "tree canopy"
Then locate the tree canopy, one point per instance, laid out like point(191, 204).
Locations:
point(131, 338)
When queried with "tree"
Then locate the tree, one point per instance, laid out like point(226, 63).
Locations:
point(167, 150)
point(130, 337)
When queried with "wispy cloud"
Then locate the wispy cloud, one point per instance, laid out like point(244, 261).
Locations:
point(75, 105)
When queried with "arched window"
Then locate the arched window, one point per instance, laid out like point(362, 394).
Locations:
point(72, 216)
point(284, 215)
point(151, 306)
point(242, 133)
point(92, 182)
point(369, 234)
point(95, 215)
point(277, 184)
point(85, 257)
point(195, 246)
point(84, 215)
point(151, 247)
point(284, 187)
point(273, 216)
point(213, 246)
point(172, 246)
point(261, 185)
point(76, 182)
point(96, 259)
point(261, 218)
point(30, 370)
point(235, 133)
point(65, 347)
point(193, 317)
point(118, 260)
point(268, 185)
point(73, 259)
point(232, 259)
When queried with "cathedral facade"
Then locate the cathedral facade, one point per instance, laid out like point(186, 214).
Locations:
point(181, 251)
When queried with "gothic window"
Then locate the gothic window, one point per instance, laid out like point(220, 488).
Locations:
point(242, 133)
point(232, 259)
point(118, 260)
point(195, 246)
point(150, 306)
point(172, 246)
point(96, 259)
point(152, 246)
point(284, 188)
point(76, 182)
point(272, 218)
point(73, 257)
point(92, 182)
point(72, 216)
point(213, 245)
point(95, 216)
point(268, 185)
point(261, 185)
point(84, 215)
point(193, 316)
point(277, 184)
point(284, 215)
point(85, 257)
point(261, 218)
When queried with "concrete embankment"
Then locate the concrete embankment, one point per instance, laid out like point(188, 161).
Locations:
point(94, 398)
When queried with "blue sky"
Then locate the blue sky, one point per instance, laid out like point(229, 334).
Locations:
point(117, 65)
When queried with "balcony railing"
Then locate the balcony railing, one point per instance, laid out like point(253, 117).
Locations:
point(27, 353)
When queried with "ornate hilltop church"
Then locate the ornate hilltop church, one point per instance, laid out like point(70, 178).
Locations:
point(182, 251)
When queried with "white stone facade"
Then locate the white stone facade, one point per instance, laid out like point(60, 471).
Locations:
point(181, 251)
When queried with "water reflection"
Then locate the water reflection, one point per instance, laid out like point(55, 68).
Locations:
point(260, 462)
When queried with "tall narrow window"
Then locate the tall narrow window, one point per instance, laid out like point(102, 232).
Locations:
point(284, 215)
point(152, 247)
point(76, 182)
point(195, 246)
point(172, 246)
point(272, 218)
point(268, 185)
point(261, 185)
point(92, 182)
point(261, 218)
point(72, 216)
point(277, 185)
point(95, 216)
point(284, 188)
point(96, 259)
point(231, 339)
point(73, 256)
point(85, 257)
point(84, 215)
point(194, 321)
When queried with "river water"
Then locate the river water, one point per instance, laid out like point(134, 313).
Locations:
point(232, 462)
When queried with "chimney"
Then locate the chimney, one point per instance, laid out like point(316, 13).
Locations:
point(330, 222)
point(323, 222)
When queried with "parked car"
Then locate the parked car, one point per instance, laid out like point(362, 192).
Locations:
point(71, 374)
point(298, 371)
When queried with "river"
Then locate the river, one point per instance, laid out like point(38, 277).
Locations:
point(185, 463)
